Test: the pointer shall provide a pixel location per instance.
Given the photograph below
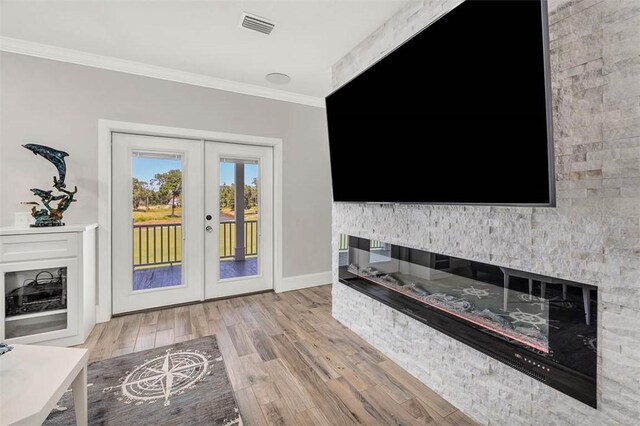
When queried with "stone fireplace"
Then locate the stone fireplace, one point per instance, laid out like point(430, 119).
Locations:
point(541, 326)
point(591, 237)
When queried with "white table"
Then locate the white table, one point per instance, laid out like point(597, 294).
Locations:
point(33, 378)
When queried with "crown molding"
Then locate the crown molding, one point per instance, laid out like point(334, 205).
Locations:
point(55, 53)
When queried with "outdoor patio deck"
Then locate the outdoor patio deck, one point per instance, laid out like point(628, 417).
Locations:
point(167, 276)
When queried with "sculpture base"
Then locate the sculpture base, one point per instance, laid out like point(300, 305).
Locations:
point(47, 224)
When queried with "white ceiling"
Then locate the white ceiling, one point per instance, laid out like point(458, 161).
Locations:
point(204, 37)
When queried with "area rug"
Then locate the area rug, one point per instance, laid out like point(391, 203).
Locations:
point(181, 384)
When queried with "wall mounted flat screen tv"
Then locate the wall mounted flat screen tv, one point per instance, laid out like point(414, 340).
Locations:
point(458, 114)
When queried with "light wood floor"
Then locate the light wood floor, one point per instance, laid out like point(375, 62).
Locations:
point(289, 361)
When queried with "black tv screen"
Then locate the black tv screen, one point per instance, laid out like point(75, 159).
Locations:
point(458, 114)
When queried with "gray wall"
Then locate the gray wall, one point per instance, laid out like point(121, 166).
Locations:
point(592, 236)
point(59, 104)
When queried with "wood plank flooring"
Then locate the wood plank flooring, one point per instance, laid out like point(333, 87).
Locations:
point(289, 361)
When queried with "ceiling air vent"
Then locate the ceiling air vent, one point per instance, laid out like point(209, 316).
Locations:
point(256, 23)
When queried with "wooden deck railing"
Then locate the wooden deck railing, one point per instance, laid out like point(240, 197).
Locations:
point(161, 244)
point(228, 238)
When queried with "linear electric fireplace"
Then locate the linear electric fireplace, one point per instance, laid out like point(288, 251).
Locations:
point(542, 326)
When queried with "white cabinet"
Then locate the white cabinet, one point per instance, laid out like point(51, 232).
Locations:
point(48, 284)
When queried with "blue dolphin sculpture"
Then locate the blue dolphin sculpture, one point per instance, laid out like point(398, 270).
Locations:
point(56, 157)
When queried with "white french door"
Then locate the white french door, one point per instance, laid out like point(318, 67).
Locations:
point(156, 254)
point(239, 256)
point(191, 220)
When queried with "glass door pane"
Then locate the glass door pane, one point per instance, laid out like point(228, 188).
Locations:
point(157, 220)
point(239, 218)
point(35, 301)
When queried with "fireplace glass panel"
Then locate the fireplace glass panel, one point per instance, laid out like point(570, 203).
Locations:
point(553, 318)
point(379, 252)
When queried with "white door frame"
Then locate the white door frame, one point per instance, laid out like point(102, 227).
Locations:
point(105, 129)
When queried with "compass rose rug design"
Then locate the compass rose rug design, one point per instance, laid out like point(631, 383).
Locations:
point(181, 384)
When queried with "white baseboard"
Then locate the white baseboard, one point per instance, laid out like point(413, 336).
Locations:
point(103, 314)
point(303, 281)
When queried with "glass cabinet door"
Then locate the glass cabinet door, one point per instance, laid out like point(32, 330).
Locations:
point(39, 298)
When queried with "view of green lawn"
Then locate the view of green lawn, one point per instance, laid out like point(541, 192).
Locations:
point(157, 215)
point(162, 214)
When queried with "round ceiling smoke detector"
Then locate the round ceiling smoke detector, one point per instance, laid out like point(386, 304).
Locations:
point(278, 78)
